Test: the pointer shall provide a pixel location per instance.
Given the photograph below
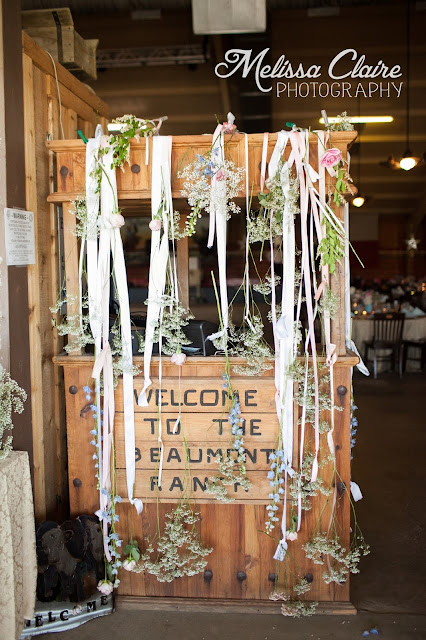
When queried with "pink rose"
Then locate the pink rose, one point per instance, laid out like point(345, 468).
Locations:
point(178, 358)
point(331, 157)
point(221, 174)
point(228, 127)
point(291, 535)
point(105, 587)
point(155, 225)
point(129, 565)
point(116, 220)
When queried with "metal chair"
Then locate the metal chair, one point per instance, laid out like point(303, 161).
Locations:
point(387, 336)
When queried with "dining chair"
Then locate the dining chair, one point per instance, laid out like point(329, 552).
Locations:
point(419, 355)
point(387, 340)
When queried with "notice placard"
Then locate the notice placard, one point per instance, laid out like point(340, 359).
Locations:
point(19, 237)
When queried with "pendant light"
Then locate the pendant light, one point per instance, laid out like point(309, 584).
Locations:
point(359, 199)
point(408, 161)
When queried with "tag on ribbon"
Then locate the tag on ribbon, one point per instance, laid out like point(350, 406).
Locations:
point(281, 551)
point(356, 492)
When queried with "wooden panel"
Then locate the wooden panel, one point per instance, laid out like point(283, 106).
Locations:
point(199, 426)
point(203, 394)
point(84, 497)
point(185, 148)
point(219, 605)
point(174, 482)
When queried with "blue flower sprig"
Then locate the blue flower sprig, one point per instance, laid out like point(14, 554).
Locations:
point(354, 425)
point(276, 482)
point(108, 514)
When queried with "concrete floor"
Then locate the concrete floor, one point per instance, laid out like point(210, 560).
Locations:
point(389, 593)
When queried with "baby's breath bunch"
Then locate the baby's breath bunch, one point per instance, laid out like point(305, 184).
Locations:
point(305, 394)
point(120, 362)
point(248, 342)
point(12, 399)
point(75, 326)
point(302, 485)
point(295, 608)
point(341, 561)
point(231, 473)
point(265, 287)
point(82, 227)
point(329, 302)
point(197, 186)
point(299, 609)
point(174, 318)
point(342, 123)
point(272, 205)
point(179, 550)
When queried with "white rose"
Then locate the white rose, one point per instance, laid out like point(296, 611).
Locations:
point(155, 225)
point(178, 358)
point(116, 220)
point(105, 587)
point(129, 565)
point(291, 535)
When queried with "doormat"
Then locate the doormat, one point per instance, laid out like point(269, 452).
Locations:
point(59, 616)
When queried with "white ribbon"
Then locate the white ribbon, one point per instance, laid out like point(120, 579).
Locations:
point(159, 251)
point(283, 328)
point(217, 220)
point(99, 269)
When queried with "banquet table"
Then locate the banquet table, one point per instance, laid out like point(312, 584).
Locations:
point(18, 560)
point(363, 328)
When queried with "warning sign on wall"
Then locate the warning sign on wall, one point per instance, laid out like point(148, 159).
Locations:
point(19, 237)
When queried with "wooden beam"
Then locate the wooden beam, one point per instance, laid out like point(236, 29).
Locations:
point(42, 60)
point(34, 297)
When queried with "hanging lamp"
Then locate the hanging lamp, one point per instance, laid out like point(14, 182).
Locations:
point(408, 160)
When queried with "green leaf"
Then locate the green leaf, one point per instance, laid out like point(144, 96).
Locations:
point(135, 554)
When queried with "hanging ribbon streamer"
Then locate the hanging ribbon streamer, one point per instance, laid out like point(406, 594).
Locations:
point(99, 273)
point(217, 222)
point(159, 251)
point(161, 197)
point(283, 328)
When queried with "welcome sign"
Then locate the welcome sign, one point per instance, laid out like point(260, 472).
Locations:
point(199, 438)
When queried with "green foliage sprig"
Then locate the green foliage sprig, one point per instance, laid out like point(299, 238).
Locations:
point(331, 248)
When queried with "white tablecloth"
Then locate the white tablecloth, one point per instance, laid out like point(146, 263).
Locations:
point(362, 332)
point(18, 561)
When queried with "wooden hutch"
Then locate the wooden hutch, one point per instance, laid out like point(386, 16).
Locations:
point(241, 567)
